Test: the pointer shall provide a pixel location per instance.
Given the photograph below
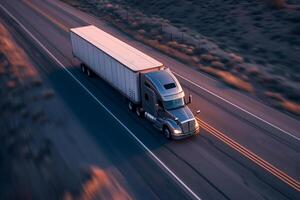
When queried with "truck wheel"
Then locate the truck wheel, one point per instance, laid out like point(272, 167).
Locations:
point(83, 69)
point(131, 106)
point(167, 133)
point(139, 112)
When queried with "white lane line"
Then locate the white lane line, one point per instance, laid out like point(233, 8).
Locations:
point(219, 97)
point(100, 103)
point(238, 107)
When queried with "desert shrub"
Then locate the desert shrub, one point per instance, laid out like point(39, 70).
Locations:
point(200, 51)
point(217, 64)
point(277, 3)
point(207, 57)
point(274, 96)
point(290, 106)
point(229, 79)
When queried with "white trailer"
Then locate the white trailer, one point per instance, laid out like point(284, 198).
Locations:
point(152, 90)
point(113, 60)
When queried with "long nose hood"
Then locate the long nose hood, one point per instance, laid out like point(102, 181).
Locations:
point(183, 114)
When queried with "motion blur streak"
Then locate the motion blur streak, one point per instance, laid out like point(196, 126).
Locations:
point(46, 15)
point(252, 156)
point(245, 152)
point(206, 90)
point(143, 146)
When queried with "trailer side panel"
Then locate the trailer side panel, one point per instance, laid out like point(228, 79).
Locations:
point(108, 68)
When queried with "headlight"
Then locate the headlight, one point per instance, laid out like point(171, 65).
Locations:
point(177, 132)
point(196, 124)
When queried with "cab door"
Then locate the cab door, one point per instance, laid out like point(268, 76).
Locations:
point(149, 100)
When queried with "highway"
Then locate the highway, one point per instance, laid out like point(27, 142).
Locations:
point(246, 150)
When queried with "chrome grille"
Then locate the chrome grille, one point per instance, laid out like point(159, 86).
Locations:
point(188, 126)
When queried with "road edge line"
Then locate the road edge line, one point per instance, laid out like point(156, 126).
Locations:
point(100, 103)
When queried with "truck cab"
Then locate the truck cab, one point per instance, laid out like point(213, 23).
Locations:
point(163, 103)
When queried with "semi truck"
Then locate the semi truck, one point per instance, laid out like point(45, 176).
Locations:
point(151, 89)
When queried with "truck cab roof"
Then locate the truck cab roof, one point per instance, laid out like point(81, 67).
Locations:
point(166, 84)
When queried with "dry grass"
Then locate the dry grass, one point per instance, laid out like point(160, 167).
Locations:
point(229, 79)
point(253, 71)
point(207, 57)
point(167, 50)
point(217, 64)
point(290, 106)
point(277, 3)
point(15, 55)
point(274, 95)
point(283, 103)
point(99, 184)
point(236, 58)
point(280, 4)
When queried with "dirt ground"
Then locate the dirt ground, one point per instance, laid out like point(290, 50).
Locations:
point(38, 159)
point(249, 45)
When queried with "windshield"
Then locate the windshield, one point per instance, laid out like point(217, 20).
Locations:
point(173, 104)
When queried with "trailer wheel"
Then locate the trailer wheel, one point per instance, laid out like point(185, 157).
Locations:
point(88, 72)
point(83, 68)
point(167, 133)
point(131, 106)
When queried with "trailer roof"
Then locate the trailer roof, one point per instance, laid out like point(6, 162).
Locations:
point(119, 50)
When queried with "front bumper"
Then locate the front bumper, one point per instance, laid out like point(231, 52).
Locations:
point(185, 135)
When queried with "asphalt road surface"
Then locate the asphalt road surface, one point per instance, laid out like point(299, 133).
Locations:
point(246, 150)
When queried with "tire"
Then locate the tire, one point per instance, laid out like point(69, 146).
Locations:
point(83, 68)
point(88, 72)
point(167, 133)
point(131, 106)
